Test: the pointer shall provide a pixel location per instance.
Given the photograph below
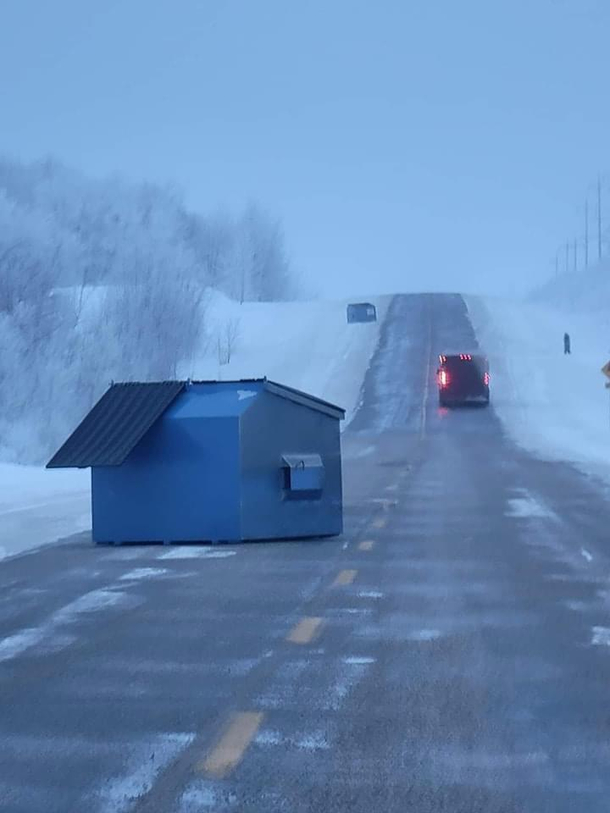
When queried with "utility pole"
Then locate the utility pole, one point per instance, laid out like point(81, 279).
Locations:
point(567, 258)
point(599, 217)
point(557, 263)
point(587, 233)
point(575, 256)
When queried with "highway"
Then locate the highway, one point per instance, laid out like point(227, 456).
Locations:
point(450, 653)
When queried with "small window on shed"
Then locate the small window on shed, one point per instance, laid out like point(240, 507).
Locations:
point(303, 476)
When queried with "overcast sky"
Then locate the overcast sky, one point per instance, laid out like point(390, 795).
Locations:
point(406, 144)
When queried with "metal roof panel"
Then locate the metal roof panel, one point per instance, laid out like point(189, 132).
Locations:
point(116, 424)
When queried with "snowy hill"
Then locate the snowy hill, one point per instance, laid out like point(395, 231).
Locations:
point(586, 292)
point(307, 345)
point(553, 405)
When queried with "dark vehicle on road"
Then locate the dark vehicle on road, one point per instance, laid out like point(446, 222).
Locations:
point(361, 312)
point(463, 378)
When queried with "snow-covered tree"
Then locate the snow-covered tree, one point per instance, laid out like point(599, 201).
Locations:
point(103, 280)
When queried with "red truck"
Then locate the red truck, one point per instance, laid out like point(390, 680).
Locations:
point(463, 378)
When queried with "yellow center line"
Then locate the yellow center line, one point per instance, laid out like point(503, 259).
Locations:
point(345, 577)
point(304, 631)
point(368, 544)
point(381, 522)
point(230, 748)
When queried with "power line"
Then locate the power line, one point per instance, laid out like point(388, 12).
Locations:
point(575, 256)
point(599, 217)
point(593, 230)
point(587, 233)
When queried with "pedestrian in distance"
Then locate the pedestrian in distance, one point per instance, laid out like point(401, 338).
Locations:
point(567, 344)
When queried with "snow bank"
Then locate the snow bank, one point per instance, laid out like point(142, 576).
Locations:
point(307, 345)
point(553, 405)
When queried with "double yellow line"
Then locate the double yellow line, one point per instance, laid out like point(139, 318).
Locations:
point(244, 725)
point(230, 748)
point(308, 628)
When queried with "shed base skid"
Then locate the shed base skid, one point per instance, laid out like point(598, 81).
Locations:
point(213, 542)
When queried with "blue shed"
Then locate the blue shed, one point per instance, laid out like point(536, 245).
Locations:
point(209, 461)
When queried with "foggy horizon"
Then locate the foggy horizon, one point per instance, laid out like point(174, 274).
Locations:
point(404, 148)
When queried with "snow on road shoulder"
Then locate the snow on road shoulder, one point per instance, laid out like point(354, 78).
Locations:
point(39, 506)
point(550, 404)
point(24, 487)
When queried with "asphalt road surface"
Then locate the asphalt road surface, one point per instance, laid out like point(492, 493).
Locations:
point(449, 654)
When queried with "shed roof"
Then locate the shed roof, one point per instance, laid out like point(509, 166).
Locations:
point(291, 394)
point(116, 424)
point(121, 418)
point(305, 399)
point(214, 400)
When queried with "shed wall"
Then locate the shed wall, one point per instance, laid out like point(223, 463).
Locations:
point(181, 483)
point(273, 427)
